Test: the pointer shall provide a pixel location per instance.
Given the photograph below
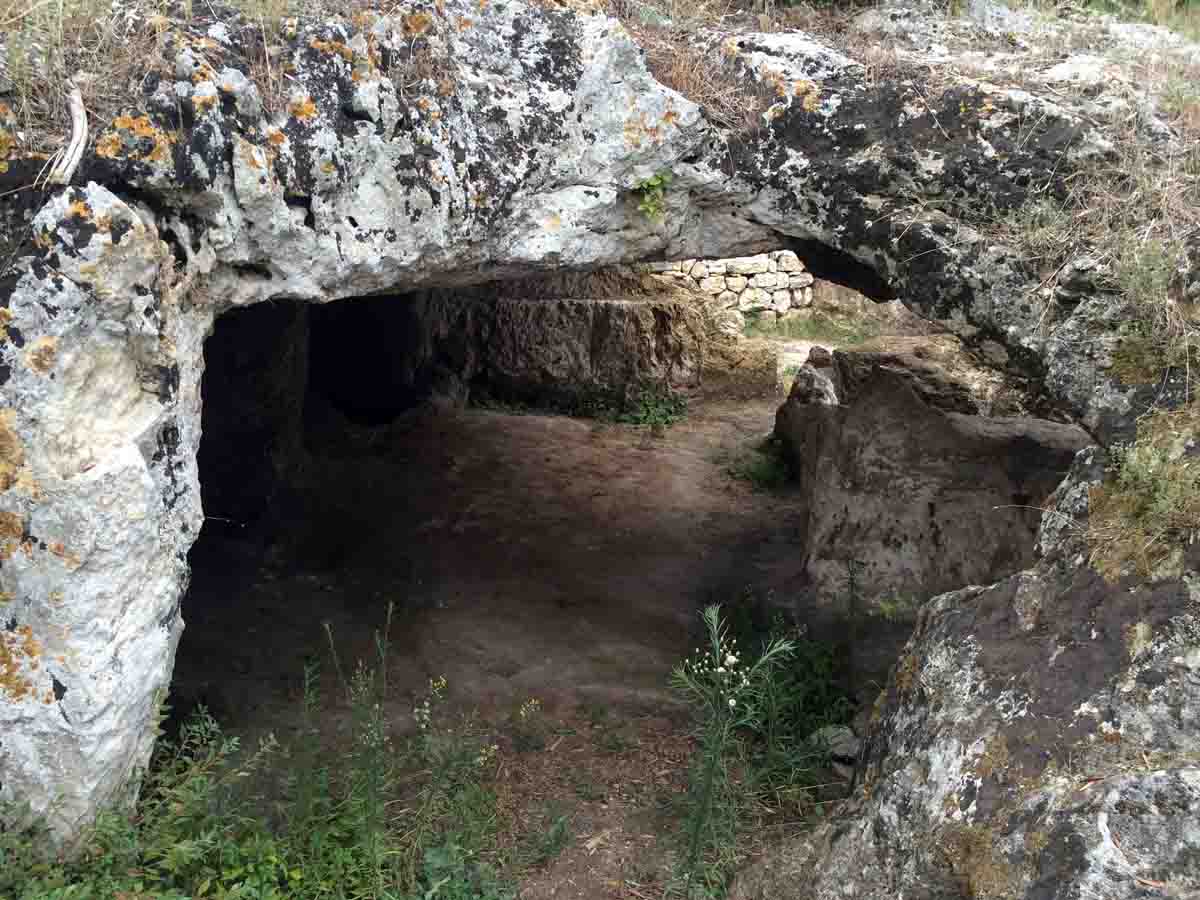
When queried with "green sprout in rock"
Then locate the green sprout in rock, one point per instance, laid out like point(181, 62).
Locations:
point(651, 194)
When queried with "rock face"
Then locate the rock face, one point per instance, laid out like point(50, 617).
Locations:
point(896, 464)
point(510, 138)
point(1037, 739)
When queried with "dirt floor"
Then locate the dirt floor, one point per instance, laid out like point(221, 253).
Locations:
point(528, 556)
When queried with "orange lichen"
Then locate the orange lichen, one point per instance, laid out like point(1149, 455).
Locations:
point(336, 47)
point(204, 102)
point(416, 24)
point(111, 143)
point(446, 86)
point(463, 23)
point(277, 137)
point(70, 560)
point(249, 157)
point(670, 117)
point(423, 103)
point(79, 209)
point(809, 94)
point(12, 533)
point(303, 109)
point(41, 354)
point(19, 652)
point(12, 454)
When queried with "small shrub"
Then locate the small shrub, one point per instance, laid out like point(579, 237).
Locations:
point(726, 690)
point(651, 195)
point(529, 727)
point(896, 608)
point(654, 406)
point(549, 840)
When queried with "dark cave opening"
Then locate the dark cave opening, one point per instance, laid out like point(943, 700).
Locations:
point(344, 468)
point(515, 547)
point(359, 358)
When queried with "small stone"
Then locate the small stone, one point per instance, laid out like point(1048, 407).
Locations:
point(782, 300)
point(716, 267)
point(841, 742)
point(754, 300)
point(801, 298)
point(748, 265)
point(736, 283)
point(768, 281)
point(788, 261)
point(798, 280)
point(713, 284)
point(808, 297)
point(727, 299)
point(699, 270)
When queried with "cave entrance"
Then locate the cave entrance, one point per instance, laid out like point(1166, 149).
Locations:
point(525, 554)
point(398, 451)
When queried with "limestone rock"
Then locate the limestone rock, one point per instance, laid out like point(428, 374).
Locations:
point(736, 283)
point(890, 471)
point(754, 299)
point(524, 156)
point(787, 261)
point(749, 265)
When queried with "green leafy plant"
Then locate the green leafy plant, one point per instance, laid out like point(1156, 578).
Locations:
point(279, 823)
point(654, 406)
point(651, 195)
point(765, 466)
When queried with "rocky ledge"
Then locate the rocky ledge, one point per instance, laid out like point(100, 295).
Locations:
point(1039, 736)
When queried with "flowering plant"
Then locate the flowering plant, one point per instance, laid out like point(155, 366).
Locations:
point(726, 692)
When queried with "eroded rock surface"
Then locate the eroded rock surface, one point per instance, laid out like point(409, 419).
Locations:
point(497, 140)
point(904, 478)
point(1037, 739)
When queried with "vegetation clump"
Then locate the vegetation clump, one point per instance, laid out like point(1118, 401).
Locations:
point(1148, 510)
point(651, 194)
point(757, 702)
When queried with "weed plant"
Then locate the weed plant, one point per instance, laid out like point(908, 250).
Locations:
point(727, 690)
point(765, 467)
point(410, 820)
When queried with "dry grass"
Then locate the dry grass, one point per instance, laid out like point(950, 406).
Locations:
point(706, 77)
point(1135, 215)
point(105, 48)
point(1140, 520)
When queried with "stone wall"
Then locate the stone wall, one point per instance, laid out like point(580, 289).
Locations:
point(751, 285)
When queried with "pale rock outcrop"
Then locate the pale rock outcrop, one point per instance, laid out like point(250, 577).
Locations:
point(508, 139)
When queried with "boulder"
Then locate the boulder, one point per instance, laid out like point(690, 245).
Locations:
point(901, 475)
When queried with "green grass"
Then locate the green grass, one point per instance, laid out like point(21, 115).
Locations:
point(764, 467)
point(384, 818)
point(818, 327)
point(1148, 509)
point(650, 406)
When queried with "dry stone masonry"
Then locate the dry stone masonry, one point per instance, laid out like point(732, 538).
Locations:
point(1024, 746)
point(774, 282)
